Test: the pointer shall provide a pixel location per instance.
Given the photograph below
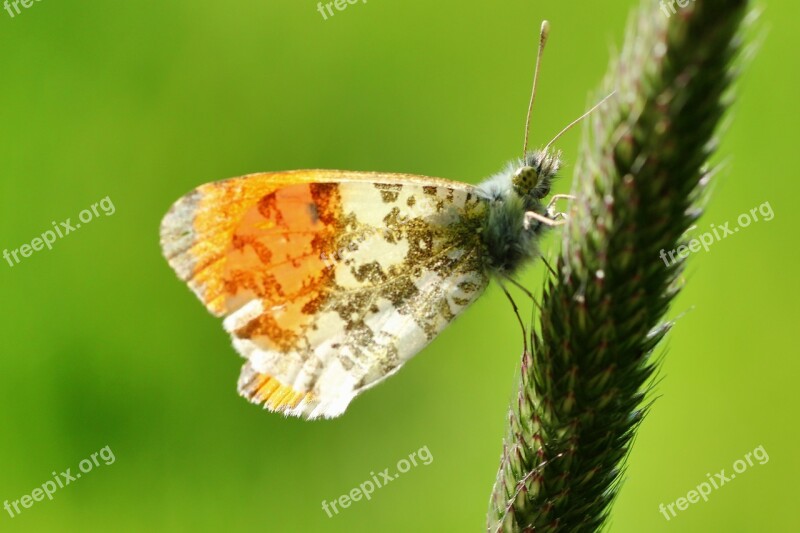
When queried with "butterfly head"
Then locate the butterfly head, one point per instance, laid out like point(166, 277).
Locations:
point(517, 214)
point(533, 177)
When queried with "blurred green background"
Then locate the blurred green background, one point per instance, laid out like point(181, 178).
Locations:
point(103, 346)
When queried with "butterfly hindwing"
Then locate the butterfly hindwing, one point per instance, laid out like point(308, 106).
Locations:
point(329, 280)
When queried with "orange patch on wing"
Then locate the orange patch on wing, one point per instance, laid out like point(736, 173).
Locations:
point(269, 391)
point(277, 255)
point(217, 214)
point(264, 239)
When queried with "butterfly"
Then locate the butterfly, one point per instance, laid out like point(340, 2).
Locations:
point(329, 281)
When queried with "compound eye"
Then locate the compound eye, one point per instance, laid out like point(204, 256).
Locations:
point(525, 180)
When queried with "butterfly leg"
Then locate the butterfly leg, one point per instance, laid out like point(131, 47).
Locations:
point(521, 287)
point(516, 312)
point(552, 271)
point(557, 216)
point(552, 222)
point(557, 197)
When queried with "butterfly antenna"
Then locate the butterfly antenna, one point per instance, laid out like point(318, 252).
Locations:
point(577, 120)
point(542, 41)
